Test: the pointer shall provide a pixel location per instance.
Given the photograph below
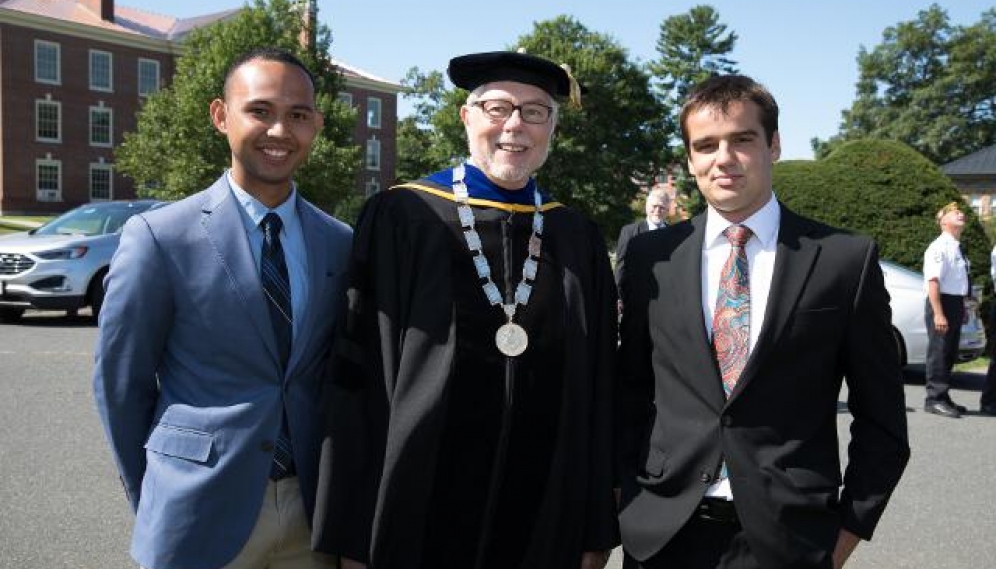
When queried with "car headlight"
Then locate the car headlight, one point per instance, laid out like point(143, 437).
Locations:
point(62, 254)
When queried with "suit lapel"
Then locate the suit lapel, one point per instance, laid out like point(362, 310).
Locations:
point(222, 222)
point(318, 277)
point(794, 261)
point(685, 277)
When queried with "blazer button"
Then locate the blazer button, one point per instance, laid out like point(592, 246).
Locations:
point(266, 446)
point(705, 477)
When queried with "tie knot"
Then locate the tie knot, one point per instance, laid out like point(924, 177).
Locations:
point(271, 224)
point(738, 235)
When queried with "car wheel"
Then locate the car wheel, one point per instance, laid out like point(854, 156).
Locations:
point(95, 297)
point(11, 315)
point(900, 347)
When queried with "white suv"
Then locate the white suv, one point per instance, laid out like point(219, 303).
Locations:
point(61, 265)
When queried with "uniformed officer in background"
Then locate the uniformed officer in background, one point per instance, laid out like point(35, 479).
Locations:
point(946, 277)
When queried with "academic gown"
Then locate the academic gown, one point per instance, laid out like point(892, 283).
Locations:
point(442, 452)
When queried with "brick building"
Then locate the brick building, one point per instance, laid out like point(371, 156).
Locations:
point(975, 177)
point(73, 74)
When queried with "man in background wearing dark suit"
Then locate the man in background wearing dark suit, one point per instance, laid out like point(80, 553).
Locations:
point(728, 400)
point(657, 206)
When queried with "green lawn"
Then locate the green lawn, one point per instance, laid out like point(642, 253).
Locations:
point(977, 365)
point(8, 228)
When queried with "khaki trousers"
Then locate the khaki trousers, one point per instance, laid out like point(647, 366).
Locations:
point(281, 538)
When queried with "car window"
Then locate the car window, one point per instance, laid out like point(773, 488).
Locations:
point(90, 220)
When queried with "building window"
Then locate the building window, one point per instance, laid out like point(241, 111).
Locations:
point(101, 72)
point(101, 126)
point(101, 182)
point(373, 154)
point(346, 98)
point(48, 180)
point(372, 187)
point(977, 204)
point(48, 121)
point(148, 76)
point(373, 112)
point(47, 65)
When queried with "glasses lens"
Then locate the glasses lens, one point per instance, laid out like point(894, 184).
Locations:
point(497, 109)
point(535, 113)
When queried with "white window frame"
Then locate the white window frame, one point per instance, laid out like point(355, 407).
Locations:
point(109, 87)
point(58, 62)
point(105, 167)
point(57, 197)
point(58, 106)
point(374, 119)
point(110, 126)
point(372, 186)
point(155, 62)
point(346, 98)
point(372, 156)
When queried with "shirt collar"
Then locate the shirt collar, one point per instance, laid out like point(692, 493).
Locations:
point(949, 238)
point(255, 210)
point(763, 224)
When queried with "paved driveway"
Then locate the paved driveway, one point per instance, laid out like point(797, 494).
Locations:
point(63, 507)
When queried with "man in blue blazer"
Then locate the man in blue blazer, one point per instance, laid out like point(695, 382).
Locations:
point(202, 377)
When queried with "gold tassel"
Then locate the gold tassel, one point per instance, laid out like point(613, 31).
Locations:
point(575, 98)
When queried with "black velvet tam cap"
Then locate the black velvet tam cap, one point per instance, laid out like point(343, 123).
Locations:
point(473, 70)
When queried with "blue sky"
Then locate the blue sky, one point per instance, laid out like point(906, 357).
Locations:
point(804, 51)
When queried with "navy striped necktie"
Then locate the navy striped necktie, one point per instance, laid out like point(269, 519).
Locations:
point(276, 286)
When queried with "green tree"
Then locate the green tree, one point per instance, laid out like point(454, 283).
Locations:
point(602, 153)
point(176, 151)
point(883, 189)
point(929, 84)
point(692, 47)
point(422, 149)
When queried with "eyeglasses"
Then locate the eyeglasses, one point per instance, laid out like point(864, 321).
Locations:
point(499, 110)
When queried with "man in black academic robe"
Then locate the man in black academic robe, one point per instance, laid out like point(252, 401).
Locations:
point(443, 452)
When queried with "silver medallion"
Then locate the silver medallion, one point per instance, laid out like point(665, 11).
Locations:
point(511, 339)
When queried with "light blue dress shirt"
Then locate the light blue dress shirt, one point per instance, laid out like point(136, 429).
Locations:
point(291, 240)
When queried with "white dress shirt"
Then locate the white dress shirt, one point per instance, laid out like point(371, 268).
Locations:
point(760, 249)
point(944, 261)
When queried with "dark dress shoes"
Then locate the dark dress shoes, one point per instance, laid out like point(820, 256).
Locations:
point(942, 408)
point(988, 410)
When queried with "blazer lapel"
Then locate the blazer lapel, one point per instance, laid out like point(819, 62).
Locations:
point(684, 276)
point(318, 294)
point(794, 261)
point(222, 222)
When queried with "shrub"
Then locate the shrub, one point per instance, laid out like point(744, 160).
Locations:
point(883, 189)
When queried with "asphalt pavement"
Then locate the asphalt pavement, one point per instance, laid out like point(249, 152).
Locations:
point(63, 507)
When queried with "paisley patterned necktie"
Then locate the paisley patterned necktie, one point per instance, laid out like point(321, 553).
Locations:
point(731, 321)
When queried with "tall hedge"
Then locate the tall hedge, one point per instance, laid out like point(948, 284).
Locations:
point(883, 189)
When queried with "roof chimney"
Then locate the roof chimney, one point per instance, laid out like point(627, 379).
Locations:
point(308, 30)
point(104, 8)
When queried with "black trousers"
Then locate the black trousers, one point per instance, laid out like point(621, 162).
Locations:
point(942, 349)
point(702, 543)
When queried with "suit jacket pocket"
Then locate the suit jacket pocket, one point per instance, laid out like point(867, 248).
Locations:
point(653, 469)
point(180, 442)
point(808, 479)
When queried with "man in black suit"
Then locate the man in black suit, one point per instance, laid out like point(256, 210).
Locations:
point(657, 207)
point(727, 411)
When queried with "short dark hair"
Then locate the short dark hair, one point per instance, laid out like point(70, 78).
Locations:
point(268, 53)
point(720, 91)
